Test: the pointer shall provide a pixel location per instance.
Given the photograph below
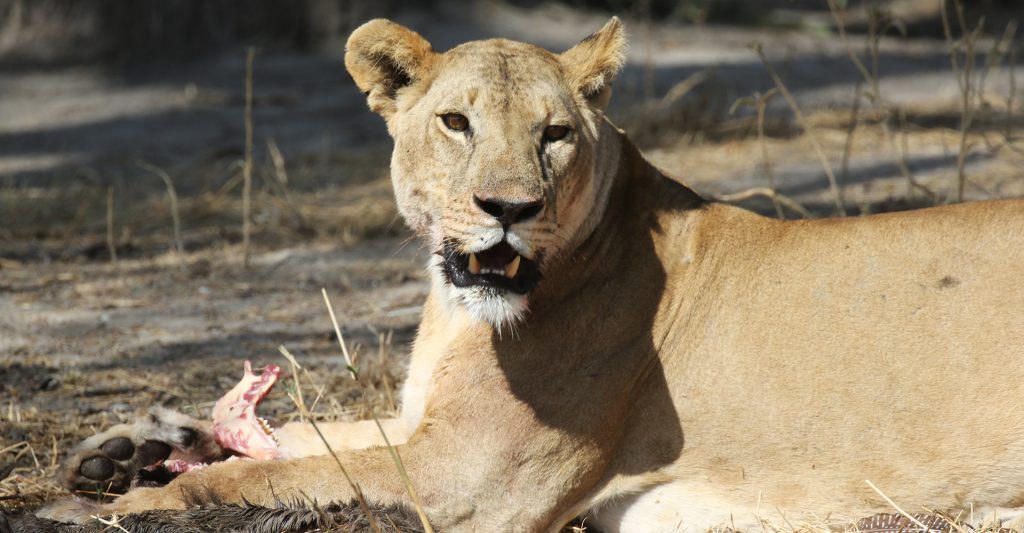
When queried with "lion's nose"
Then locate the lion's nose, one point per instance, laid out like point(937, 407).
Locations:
point(509, 212)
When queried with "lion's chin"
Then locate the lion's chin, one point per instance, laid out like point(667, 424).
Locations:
point(500, 308)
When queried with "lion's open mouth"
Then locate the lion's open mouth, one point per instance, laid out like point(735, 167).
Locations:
point(499, 266)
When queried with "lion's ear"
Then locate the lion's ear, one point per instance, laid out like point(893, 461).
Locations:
point(592, 64)
point(383, 57)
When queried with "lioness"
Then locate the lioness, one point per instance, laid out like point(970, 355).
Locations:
point(599, 340)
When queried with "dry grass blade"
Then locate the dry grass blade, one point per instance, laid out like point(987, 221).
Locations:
point(897, 507)
point(280, 180)
point(277, 158)
point(837, 194)
point(337, 333)
point(296, 367)
point(351, 483)
point(391, 449)
point(250, 56)
point(173, 197)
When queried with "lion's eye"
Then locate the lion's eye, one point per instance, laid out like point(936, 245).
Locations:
point(455, 121)
point(555, 133)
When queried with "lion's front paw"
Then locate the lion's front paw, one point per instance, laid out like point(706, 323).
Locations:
point(73, 510)
point(79, 510)
point(112, 461)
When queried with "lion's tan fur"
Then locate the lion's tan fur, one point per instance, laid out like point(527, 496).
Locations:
point(682, 364)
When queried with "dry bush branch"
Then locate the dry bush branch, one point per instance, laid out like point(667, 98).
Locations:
point(837, 194)
point(760, 103)
point(993, 59)
point(767, 192)
point(851, 130)
point(869, 75)
point(963, 74)
point(1012, 61)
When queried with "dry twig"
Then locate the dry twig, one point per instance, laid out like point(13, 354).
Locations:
point(111, 248)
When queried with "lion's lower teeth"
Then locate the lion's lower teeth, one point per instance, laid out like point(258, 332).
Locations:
point(509, 271)
point(512, 268)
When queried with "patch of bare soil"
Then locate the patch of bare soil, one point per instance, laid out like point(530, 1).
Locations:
point(88, 343)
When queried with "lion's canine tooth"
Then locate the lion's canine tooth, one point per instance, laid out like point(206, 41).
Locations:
point(512, 268)
point(474, 264)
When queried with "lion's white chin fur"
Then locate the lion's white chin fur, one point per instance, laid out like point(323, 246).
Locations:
point(503, 310)
point(497, 307)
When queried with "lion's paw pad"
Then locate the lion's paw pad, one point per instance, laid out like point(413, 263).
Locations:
point(149, 452)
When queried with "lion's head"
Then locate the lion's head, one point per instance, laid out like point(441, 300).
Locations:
point(497, 158)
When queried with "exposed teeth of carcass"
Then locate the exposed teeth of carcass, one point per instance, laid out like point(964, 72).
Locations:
point(474, 264)
point(267, 429)
point(512, 268)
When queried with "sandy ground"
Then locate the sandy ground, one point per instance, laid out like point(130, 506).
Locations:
point(86, 341)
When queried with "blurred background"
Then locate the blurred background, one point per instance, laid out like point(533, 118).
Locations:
point(101, 97)
point(129, 275)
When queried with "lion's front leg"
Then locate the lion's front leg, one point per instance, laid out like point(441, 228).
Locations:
point(300, 439)
point(268, 483)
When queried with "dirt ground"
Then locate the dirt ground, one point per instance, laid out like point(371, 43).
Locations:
point(88, 340)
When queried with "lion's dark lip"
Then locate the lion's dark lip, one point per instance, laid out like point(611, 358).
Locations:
point(455, 266)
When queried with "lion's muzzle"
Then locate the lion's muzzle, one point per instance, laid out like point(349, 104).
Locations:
point(499, 266)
